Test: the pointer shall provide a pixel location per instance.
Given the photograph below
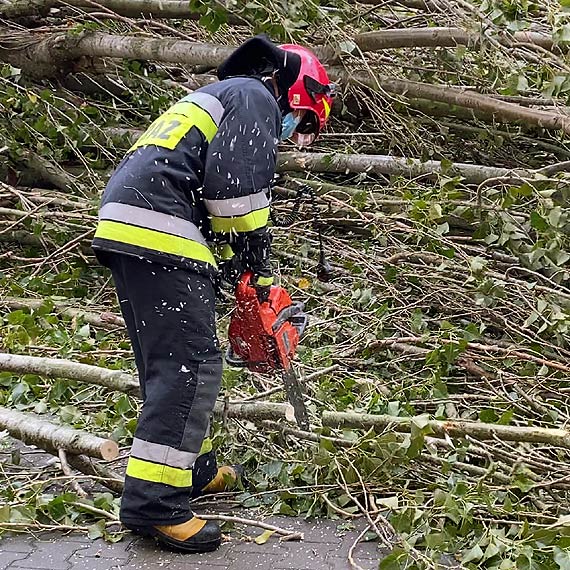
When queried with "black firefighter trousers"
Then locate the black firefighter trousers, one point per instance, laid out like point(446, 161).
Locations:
point(170, 318)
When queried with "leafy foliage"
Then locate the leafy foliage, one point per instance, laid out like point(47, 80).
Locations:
point(449, 301)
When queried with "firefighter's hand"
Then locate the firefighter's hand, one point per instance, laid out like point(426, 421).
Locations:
point(262, 287)
point(231, 270)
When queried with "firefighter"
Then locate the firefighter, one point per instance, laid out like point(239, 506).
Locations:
point(200, 174)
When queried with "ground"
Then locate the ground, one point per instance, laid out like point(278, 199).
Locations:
point(325, 547)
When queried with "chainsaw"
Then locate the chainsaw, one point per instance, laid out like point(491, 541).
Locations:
point(264, 337)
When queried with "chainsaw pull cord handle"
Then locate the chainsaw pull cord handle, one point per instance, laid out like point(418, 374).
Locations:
point(324, 268)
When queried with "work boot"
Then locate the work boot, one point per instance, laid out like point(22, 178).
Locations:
point(195, 535)
point(227, 478)
point(207, 478)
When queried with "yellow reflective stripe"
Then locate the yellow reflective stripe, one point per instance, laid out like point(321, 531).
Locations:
point(170, 127)
point(206, 446)
point(326, 106)
point(157, 473)
point(264, 281)
point(247, 223)
point(151, 239)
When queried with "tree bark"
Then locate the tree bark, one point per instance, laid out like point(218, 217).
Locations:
point(388, 165)
point(499, 110)
point(54, 55)
point(104, 320)
point(162, 9)
point(456, 428)
point(57, 368)
point(33, 430)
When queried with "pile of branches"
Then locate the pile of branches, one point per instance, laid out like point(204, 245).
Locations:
point(436, 365)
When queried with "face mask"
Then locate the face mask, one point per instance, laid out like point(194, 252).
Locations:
point(288, 125)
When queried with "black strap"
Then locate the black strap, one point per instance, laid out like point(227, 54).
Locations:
point(306, 193)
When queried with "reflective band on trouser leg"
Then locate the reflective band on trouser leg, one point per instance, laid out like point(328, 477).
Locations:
point(246, 223)
point(157, 473)
point(163, 454)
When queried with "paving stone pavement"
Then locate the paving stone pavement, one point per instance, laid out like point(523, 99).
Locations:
point(325, 547)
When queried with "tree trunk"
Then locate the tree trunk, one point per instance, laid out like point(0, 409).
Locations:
point(388, 165)
point(456, 428)
point(499, 110)
point(54, 55)
point(370, 163)
point(33, 430)
point(117, 380)
point(432, 38)
point(104, 320)
point(162, 9)
point(57, 368)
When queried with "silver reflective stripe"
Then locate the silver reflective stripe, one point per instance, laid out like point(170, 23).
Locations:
point(209, 103)
point(233, 207)
point(162, 454)
point(152, 220)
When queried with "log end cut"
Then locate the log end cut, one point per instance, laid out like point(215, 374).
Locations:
point(109, 449)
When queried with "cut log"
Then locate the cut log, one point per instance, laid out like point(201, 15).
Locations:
point(442, 428)
point(59, 368)
point(104, 320)
point(109, 478)
point(389, 165)
point(33, 430)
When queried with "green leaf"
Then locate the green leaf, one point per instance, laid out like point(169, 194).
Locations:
point(538, 222)
point(474, 554)
point(562, 558)
point(96, 530)
point(263, 537)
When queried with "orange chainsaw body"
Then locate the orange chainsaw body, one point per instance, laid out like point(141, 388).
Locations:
point(264, 336)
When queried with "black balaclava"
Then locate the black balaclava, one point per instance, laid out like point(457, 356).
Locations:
point(260, 57)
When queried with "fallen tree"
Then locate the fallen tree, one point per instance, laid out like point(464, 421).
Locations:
point(454, 428)
point(58, 368)
point(33, 430)
point(390, 165)
point(51, 55)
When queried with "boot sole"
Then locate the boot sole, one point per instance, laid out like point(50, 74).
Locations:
point(177, 545)
point(180, 546)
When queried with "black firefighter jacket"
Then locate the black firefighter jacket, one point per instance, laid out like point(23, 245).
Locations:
point(200, 173)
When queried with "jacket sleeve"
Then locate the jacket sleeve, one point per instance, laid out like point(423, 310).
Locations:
point(239, 167)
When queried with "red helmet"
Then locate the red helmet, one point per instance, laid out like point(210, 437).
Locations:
point(311, 91)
